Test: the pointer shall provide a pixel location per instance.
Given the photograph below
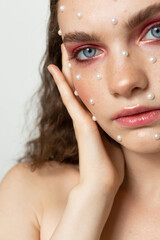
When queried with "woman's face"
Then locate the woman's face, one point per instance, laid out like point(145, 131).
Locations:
point(107, 28)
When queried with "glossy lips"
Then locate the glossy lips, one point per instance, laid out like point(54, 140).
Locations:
point(137, 117)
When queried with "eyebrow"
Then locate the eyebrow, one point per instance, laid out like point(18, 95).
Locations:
point(81, 37)
point(133, 22)
point(141, 16)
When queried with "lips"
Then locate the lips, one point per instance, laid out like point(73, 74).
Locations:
point(133, 111)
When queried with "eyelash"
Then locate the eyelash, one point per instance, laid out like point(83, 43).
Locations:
point(76, 52)
point(150, 27)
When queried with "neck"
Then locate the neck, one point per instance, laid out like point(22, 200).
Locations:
point(142, 173)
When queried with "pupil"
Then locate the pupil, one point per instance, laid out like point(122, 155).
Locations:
point(89, 52)
point(156, 31)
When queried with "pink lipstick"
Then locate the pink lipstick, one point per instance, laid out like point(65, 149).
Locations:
point(139, 116)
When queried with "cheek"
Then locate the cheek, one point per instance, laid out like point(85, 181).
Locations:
point(89, 86)
point(153, 74)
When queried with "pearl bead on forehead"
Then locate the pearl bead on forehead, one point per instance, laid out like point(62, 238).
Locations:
point(59, 32)
point(62, 8)
point(114, 21)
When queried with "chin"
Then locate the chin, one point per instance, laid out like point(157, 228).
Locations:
point(146, 146)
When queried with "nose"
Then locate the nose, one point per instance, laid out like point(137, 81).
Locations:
point(127, 80)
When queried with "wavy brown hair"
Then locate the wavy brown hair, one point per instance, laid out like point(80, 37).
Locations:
point(56, 140)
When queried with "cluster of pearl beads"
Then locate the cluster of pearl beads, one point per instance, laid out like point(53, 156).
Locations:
point(78, 76)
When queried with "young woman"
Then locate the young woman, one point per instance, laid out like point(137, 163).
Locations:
point(96, 163)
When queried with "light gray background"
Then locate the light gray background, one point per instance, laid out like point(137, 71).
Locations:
point(22, 44)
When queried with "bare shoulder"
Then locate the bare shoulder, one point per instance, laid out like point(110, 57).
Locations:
point(25, 195)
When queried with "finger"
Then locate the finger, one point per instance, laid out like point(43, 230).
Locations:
point(92, 153)
point(77, 113)
point(65, 69)
point(68, 74)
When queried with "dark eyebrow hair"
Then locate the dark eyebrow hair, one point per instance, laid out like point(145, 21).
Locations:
point(133, 22)
point(81, 37)
point(143, 15)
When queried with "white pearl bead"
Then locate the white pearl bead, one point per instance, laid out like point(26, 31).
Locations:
point(119, 138)
point(69, 65)
point(99, 76)
point(125, 53)
point(94, 118)
point(79, 15)
point(91, 101)
point(75, 93)
point(61, 8)
point(157, 136)
point(151, 96)
point(59, 32)
point(153, 59)
point(114, 21)
point(78, 77)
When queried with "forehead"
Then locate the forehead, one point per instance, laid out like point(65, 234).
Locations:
point(97, 13)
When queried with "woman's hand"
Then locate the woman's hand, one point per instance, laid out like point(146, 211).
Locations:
point(101, 163)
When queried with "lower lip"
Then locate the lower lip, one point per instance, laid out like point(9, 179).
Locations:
point(139, 119)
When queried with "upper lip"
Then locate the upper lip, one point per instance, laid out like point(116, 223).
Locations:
point(128, 112)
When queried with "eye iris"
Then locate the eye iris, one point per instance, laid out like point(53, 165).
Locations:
point(89, 52)
point(156, 31)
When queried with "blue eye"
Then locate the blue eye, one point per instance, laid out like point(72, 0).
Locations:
point(153, 33)
point(88, 53)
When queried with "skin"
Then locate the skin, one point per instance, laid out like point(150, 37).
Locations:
point(126, 82)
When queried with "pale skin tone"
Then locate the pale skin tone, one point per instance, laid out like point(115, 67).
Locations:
point(125, 200)
point(125, 82)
